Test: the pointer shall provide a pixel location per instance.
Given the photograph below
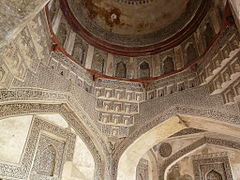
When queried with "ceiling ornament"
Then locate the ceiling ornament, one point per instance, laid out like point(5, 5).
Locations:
point(135, 2)
point(122, 30)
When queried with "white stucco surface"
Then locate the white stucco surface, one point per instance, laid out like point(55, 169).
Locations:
point(56, 119)
point(13, 135)
point(82, 166)
point(83, 160)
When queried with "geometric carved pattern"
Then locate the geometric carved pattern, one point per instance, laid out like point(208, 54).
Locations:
point(14, 109)
point(144, 70)
point(168, 65)
point(22, 171)
point(213, 175)
point(208, 167)
point(116, 110)
point(165, 150)
point(121, 70)
point(174, 174)
point(142, 170)
point(47, 161)
point(9, 94)
point(49, 158)
point(206, 140)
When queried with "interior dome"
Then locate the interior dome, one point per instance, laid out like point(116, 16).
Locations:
point(128, 25)
point(105, 36)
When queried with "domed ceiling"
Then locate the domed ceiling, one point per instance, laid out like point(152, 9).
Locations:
point(133, 25)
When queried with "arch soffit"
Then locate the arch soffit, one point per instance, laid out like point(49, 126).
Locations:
point(153, 160)
point(192, 147)
point(167, 124)
point(190, 117)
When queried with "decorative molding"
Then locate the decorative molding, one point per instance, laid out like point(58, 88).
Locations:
point(119, 44)
point(7, 110)
point(206, 140)
point(135, 2)
point(22, 171)
point(218, 162)
point(165, 150)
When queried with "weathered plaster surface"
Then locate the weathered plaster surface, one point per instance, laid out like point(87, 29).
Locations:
point(15, 15)
point(56, 119)
point(13, 136)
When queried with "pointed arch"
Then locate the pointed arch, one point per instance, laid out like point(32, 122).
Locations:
point(152, 164)
point(121, 70)
point(168, 65)
point(144, 70)
point(98, 63)
point(62, 33)
point(93, 144)
point(191, 53)
point(154, 136)
point(78, 50)
point(48, 161)
point(214, 175)
point(208, 34)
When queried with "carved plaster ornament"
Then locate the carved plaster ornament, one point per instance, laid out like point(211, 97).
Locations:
point(236, 43)
point(129, 96)
point(115, 120)
point(160, 93)
point(97, 93)
point(128, 109)
point(2, 72)
point(165, 150)
point(218, 85)
point(126, 122)
point(20, 72)
point(117, 108)
point(218, 63)
point(118, 95)
point(230, 97)
point(212, 167)
point(108, 94)
point(105, 119)
point(106, 107)
point(15, 62)
point(237, 67)
point(114, 132)
point(210, 72)
point(186, 177)
point(226, 55)
point(227, 76)
point(81, 53)
point(111, 146)
point(138, 98)
point(151, 96)
point(175, 172)
point(113, 16)
point(170, 90)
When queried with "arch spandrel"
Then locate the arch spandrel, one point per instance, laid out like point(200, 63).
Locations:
point(18, 109)
point(133, 152)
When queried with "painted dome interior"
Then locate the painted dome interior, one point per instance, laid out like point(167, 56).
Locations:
point(132, 23)
point(136, 39)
